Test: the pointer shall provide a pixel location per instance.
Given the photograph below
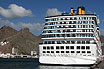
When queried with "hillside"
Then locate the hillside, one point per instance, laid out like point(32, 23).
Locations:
point(22, 40)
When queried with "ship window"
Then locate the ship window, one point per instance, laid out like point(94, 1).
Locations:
point(61, 19)
point(67, 51)
point(48, 47)
point(62, 47)
point(45, 42)
point(57, 47)
point(78, 51)
point(53, 42)
point(44, 47)
point(67, 47)
point(72, 52)
point(49, 42)
point(73, 35)
point(83, 51)
point(52, 51)
point(68, 42)
point(72, 42)
point(75, 18)
point(63, 42)
point(93, 18)
point(87, 42)
point(78, 47)
point(44, 52)
point(58, 42)
point(52, 47)
point(48, 51)
point(57, 51)
point(71, 47)
point(92, 26)
point(71, 18)
point(83, 42)
point(68, 35)
point(87, 47)
point(66, 19)
point(83, 47)
point(88, 51)
point(62, 51)
point(60, 22)
point(84, 18)
point(78, 42)
point(70, 22)
point(74, 22)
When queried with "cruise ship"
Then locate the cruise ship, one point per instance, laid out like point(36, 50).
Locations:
point(71, 39)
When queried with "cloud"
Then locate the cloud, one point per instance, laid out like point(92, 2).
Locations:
point(52, 12)
point(3, 22)
point(35, 28)
point(15, 11)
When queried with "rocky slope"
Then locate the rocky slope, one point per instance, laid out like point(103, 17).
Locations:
point(22, 40)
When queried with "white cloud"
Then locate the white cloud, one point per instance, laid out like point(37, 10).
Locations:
point(14, 11)
point(35, 28)
point(3, 22)
point(52, 12)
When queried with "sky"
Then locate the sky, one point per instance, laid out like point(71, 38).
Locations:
point(31, 13)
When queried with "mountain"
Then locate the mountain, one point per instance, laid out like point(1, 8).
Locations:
point(24, 41)
point(6, 32)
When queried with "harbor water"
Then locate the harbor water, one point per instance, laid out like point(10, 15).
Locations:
point(34, 64)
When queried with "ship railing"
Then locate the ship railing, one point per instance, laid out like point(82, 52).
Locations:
point(66, 43)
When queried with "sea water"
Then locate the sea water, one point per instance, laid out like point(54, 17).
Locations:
point(33, 64)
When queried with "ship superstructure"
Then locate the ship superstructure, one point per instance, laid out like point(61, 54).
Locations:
point(71, 39)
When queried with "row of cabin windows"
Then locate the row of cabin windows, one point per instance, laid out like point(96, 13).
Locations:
point(67, 47)
point(67, 51)
point(70, 22)
point(67, 35)
point(68, 30)
point(72, 18)
point(70, 26)
point(67, 42)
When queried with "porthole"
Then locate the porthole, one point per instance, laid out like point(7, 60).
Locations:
point(52, 51)
point(78, 51)
point(52, 47)
point(57, 47)
point(57, 51)
point(78, 47)
point(67, 47)
point(82, 47)
point(44, 52)
point(83, 51)
point(71, 47)
point(48, 47)
point(44, 47)
point(48, 51)
point(62, 51)
point(72, 52)
point(87, 47)
point(88, 51)
point(67, 51)
point(62, 47)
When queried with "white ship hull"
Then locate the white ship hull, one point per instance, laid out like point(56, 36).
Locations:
point(71, 60)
